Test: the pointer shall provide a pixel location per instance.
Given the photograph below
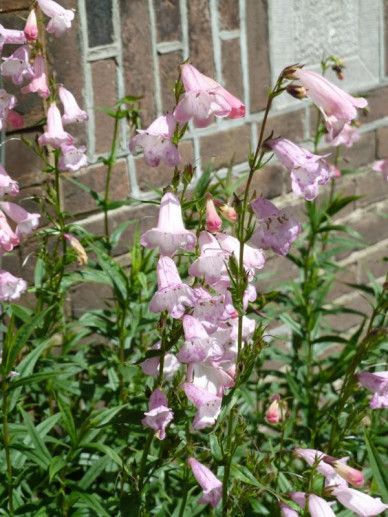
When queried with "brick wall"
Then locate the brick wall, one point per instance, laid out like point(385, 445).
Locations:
point(120, 47)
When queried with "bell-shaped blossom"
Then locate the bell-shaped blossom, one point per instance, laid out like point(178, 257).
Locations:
point(253, 258)
point(11, 36)
point(361, 504)
point(55, 135)
point(211, 264)
point(211, 377)
point(39, 83)
point(72, 112)
point(287, 511)
point(316, 457)
point(31, 30)
point(213, 220)
point(336, 106)
point(276, 411)
point(276, 230)
point(156, 142)
point(17, 66)
point(211, 486)
point(8, 238)
point(208, 405)
point(61, 18)
point(25, 221)
point(198, 346)
point(381, 166)
point(348, 136)
point(378, 383)
point(229, 213)
point(335, 172)
point(317, 506)
point(151, 365)
point(82, 257)
point(172, 295)
point(208, 309)
point(72, 158)
point(170, 233)
point(11, 287)
point(204, 98)
point(159, 415)
point(308, 170)
point(7, 184)
point(349, 474)
point(7, 103)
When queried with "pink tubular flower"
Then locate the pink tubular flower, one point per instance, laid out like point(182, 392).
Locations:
point(198, 346)
point(172, 294)
point(25, 222)
point(7, 184)
point(8, 239)
point(381, 166)
point(39, 82)
point(55, 135)
point(351, 475)
point(170, 233)
point(210, 265)
point(317, 506)
point(208, 405)
point(213, 220)
point(253, 258)
point(208, 309)
point(378, 383)
point(229, 213)
point(361, 504)
point(276, 229)
point(348, 136)
point(72, 112)
point(204, 98)
point(156, 142)
point(171, 365)
point(275, 412)
point(211, 486)
point(31, 28)
point(7, 103)
point(11, 36)
point(10, 287)
point(15, 120)
point(61, 18)
point(159, 415)
point(336, 106)
point(287, 511)
point(72, 158)
point(17, 66)
point(308, 170)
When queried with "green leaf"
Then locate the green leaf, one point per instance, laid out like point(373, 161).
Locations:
point(39, 377)
point(93, 472)
point(106, 415)
point(41, 451)
point(68, 421)
point(380, 472)
point(243, 474)
point(56, 465)
point(92, 502)
point(105, 449)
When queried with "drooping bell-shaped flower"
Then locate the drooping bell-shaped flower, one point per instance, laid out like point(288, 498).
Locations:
point(11, 287)
point(211, 264)
point(31, 28)
point(253, 258)
point(172, 295)
point(7, 103)
point(308, 170)
point(348, 136)
point(287, 511)
point(25, 221)
point(198, 346)
point(7, 184)
point(72, 158)
point(361, 504)
point(72, 112)
point(205, 98)
point(8, 238)
point(211, 486)
point(211, 377)
point(208, 405)
point(11, 36)
point(159, 415)
point(170, 234)
point(55, 135)
point(276, 230)
point(378, 383)
point(61, 18)
point(17, 66)
point(151, 365)
point(316, 505)
point(336, 106)
point(156, 142)
point(208, 309)
point(351, 475)
point(213, 220)
point(39, 83)
point(381, 166)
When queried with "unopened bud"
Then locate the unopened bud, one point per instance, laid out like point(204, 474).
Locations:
point(229, 213)
point(82, 257)
point(338, 69)
point(289, 72)
point(353, 476)
point(296, 90)
point(213, 220)
point(366, 421)
point(188, 173)
point(31, 28)
point(276, 411)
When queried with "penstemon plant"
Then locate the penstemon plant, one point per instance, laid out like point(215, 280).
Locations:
point(173, 384)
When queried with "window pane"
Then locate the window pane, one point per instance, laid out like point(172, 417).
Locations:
point(100, 27)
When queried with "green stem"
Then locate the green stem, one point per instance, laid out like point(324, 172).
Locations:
point(144, 461)
point(111, 162)
point(6, 443)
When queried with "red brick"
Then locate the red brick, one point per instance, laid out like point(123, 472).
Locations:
point(373, 264)
point(21, 161)
point(277, 270)
point(137, 55)
point(225, 148)
point(14, 5)
point(377, 104)
point(382, 142)
point(386, 35)
point(89, 296)
point(169, 72)
point(229, 14)
point(200, 36)
point(231, 67)
point(344, 322)
point(362, 153)
point(168, 20)
point(258, 53)
point(287, 125)
point(77, 201)
point(348, 274)
point(151, 177)
point(104, 85)
point(269, 181)
point(372, 186)
point(372, 225)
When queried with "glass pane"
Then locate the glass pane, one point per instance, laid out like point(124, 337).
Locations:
point(100, 27)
